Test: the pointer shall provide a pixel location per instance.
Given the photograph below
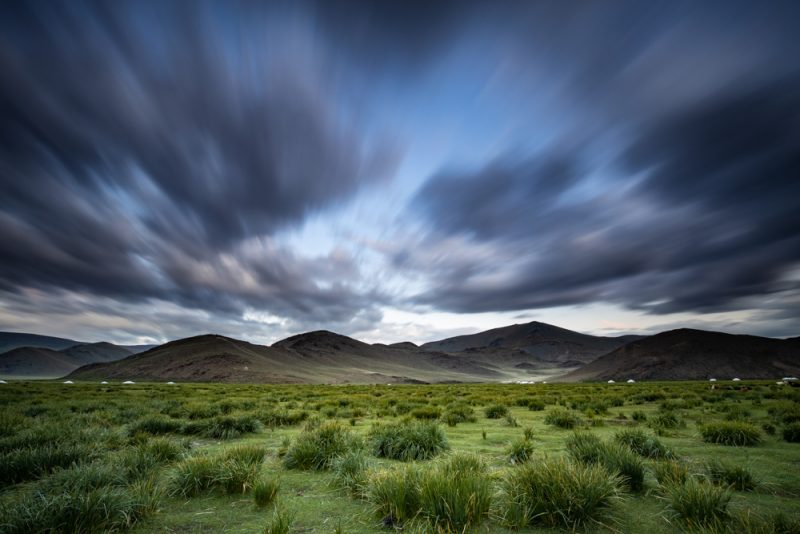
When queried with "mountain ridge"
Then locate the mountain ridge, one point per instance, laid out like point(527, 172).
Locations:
point(690, 354)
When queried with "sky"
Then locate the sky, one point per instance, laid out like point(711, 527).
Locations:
point(397, 170)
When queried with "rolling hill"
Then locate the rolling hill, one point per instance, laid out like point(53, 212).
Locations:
point(687, 354)
point(515, 353)
point(531, 345)
point(15, 340)
point(40, 362)
point(314, 357)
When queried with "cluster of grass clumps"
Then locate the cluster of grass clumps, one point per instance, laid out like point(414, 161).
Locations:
point(697, 504)
point(33, 462)
point(558, 493)
point(735, 476)
point(451, 496)
point(316, 447)
point(127, 438)
point(587, 448)
point(496, 411)
point(562, 418)
point(232, 426)
point(407, 440)
point(105, 508)
point(666, 421)
point(733, 433)
point(459, 412)
point(155, 425)
point(232, 472)
point(427, 413)
point(643, 444)
point(274, 419)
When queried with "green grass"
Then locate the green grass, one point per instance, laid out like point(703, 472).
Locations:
point(456, 494)
point(562, 418)
point(697, 504)
point(317, 446)
point(265, 491)
point(558, 493)
point(204, 480)
point(736, 476)
point(733, 433)
point(407, 440)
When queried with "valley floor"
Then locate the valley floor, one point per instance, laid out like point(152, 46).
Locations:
point(143, 434)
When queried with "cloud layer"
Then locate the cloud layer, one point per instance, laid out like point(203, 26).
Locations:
point(209, 162)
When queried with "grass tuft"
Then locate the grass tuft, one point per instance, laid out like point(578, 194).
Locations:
point(737, 477)
point(562, 418)
point(407, 441)
point(317, 446)
point(265, 491)
point(733, 433)
point(643, 444)
point(456, 494)
point(697, 504)
point(558, 493)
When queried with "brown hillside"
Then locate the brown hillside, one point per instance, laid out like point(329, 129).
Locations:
point(695, 354)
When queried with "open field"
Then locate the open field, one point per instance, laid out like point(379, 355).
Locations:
point(646, 457)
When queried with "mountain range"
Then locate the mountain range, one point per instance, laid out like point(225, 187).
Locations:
point(517, 353)
point(35, 356)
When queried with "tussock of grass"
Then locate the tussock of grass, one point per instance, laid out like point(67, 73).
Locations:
point(317, 446)
point(587, 448)
point(456, 494)
point(281, 522)
point(194, 476)
point(735, 476)
point(558, 493)
point(496, 411)
point(665, 421)
point(350, 471)
point(670, 472)
point(265, 491)
point(96, 510)
point(30, 463)
point(697, 504)
point(643, 444)
point(394, 493)
point(155, 425)
point(561, 418)
point(519, 451)
point(407, 441)
point(228, 426)
point(791, 433)
point(733, 433)
point(458, 413)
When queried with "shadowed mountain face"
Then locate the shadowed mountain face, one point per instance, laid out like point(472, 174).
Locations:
point(314, 357)
point(695, 354)
point(48, 363)
point(531, 344)
point(519, 352)
point(524, 352)
point(15, 340)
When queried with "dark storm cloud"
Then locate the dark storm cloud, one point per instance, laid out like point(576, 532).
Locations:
point(395, 33)
point(713, 218)
point(141, 146)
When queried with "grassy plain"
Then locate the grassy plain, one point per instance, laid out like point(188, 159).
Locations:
point(150, 457)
